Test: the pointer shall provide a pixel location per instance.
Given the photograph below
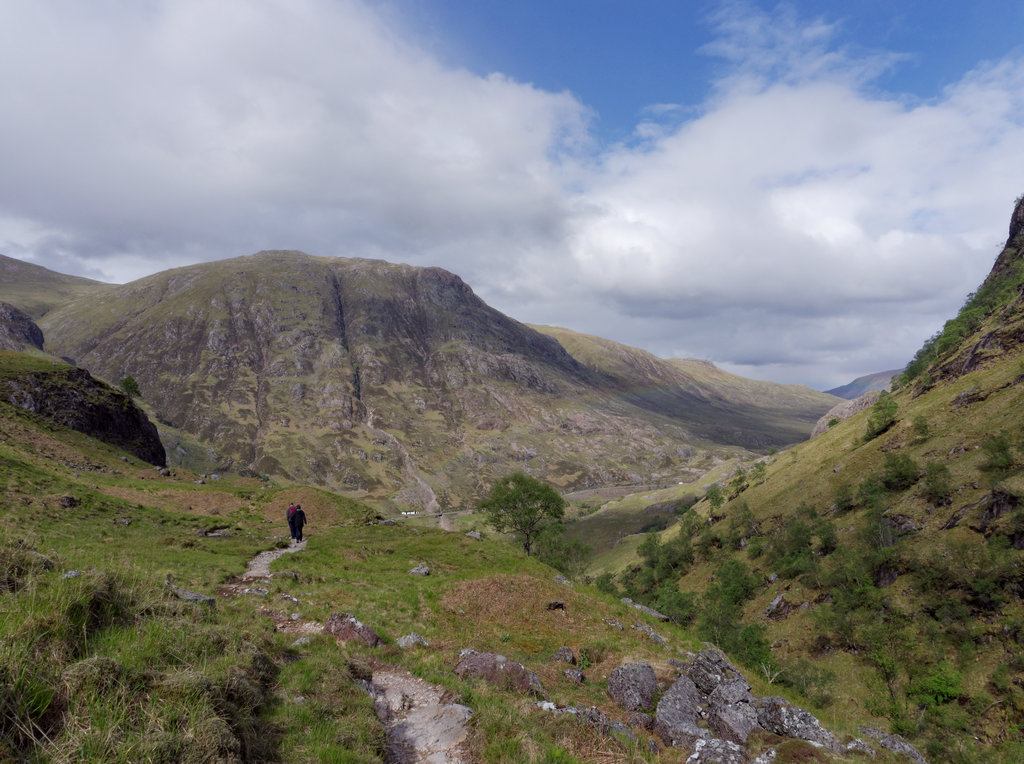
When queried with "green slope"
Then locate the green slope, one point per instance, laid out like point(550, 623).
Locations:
point(880, 566)
point(37, 290)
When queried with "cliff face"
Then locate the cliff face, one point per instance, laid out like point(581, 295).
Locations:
point(396, 380)
point(345, 373)
point(17, 329)
point(72, 398)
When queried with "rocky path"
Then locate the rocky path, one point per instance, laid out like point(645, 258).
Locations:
point(259, 566)
point(420, 725)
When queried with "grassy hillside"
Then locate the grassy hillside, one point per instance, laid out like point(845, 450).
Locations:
point(880, 566)
point(722, 407)
point(100, 660)
point(37, 290)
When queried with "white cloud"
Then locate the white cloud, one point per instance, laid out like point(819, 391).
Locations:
point(798, 225)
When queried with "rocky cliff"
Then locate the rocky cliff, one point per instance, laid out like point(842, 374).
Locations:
point(72, 398)
point(17, 329)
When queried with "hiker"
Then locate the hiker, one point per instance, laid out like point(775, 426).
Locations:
point(290, 517)
point(298, 520)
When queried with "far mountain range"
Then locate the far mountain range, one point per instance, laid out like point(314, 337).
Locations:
point(395, 381)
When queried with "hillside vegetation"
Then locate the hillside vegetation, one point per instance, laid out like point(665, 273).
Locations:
point(879, 566)
point(128, 634)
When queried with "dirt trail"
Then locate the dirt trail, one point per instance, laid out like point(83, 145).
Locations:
point(259, 566)
point(421, 727)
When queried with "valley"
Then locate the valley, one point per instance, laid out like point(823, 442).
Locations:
point(871, 576)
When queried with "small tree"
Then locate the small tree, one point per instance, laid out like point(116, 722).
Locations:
point(129, 387)
point(882, 417)
point(715, 495)
point(523, 505)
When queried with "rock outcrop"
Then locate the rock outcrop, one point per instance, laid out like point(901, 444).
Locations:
point(710, 711)
point(499, 670)
point(845, 410)
point(17, 329)
point(73, 398)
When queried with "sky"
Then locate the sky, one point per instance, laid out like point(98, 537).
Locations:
point(800, 192)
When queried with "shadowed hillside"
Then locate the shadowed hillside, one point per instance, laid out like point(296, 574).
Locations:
point(397, 382)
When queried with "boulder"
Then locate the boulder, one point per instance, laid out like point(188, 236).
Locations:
point(347, 628)
point(779, 716)
point(420, 570)
point(411, 639)
point(710, 668)
point(644, 609)
point(717, 752)
point(565, 655)
point(633, 686)
point(498, 670)
point(675, 718)
point(894, 743)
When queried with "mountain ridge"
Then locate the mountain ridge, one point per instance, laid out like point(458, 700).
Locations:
point(395, 381)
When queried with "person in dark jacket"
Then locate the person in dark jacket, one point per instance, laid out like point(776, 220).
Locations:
point(298, 520)
point(290, 517)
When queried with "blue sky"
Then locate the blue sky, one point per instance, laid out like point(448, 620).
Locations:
point(619, 57)
point(800, 192)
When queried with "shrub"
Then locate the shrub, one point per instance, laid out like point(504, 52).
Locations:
point(899, 472)
point(882, 417)
point(936, 482)
point(997, 449)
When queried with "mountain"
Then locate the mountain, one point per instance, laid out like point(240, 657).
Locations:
point(719, 406)
point(398, 382)
point(878, 381)
point(36, 290)
point(880, 566)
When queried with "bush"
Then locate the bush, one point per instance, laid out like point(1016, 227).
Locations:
point(997, 449)
point(899, 472)
point(882, 417)
point(937, 486)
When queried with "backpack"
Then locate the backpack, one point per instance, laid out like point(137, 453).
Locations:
point(291, 512)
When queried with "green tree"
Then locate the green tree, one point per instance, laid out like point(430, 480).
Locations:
point(523, 505)
point(882, 417)
point(129, 387)
point(715, 495)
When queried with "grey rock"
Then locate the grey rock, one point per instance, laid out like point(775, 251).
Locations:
point(188, 596)
point(565, 655)
point(301, 641)
point(475, 535)
point(633, 686)
point(894, 743)
point(499, 670)
point(675, 719)
point(717, 752)
point(710, 668)
point(651, 634)
point(575, 675)
point(412, 639)
point(641, 720)
point(420, 570)
point(560, 579)
point(781, 717)
point(644, 609)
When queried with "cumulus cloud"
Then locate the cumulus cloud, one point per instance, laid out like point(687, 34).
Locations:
point(802, 219)
point(799, 225)
point(187, 130)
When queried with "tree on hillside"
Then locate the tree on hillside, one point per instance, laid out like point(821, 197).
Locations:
point(129, 387)
point(523, 505)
